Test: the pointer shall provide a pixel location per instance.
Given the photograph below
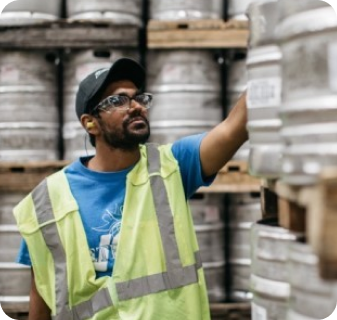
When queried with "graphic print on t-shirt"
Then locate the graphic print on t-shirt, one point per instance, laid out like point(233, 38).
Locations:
point(109, 228)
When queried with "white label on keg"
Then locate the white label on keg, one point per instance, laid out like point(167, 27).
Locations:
point(263, 93)
point(212, 214)
point(9, 73)
point(332, 52)
point(172, 73)
point(258, 312)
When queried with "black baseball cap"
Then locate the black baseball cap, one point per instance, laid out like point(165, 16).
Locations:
point(94, 84)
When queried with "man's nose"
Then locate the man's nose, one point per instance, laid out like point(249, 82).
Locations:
point(135, 105)
point(135, 108)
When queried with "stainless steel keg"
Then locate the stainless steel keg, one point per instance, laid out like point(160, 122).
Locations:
point(243, 211)
point(264, 92)
point(188, 9)
point(311, 297)
point(309, 106)
point(237, 9)
point(186, 88)
point(23, 12)
point(7, 202)
point(289, 8)
point(28, 92)
point(14, 278)
point(207, 213)
point(117, 11)
point(15, 282)
point(270, 277)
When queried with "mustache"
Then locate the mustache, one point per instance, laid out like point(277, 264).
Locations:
point(134, 118)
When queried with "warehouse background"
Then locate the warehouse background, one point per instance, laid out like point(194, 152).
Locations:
point(267, 226)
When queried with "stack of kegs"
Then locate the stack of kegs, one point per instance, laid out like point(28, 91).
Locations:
point(264, 91)
point(269, 273)
point(285, 280)
point(29, 116)
point(244, 209)
point(311, 297)
point(29, 131)
point(187, 93)
point(293, 134)
point(207, 212)
point(307, 35)
point(14, 278)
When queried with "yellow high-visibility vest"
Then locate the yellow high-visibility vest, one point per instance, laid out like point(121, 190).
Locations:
point(157, 273)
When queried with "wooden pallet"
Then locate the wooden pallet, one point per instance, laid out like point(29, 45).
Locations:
point(269, 199)
point(17, 176)
point(231, 311)
point(210, 33)
point(313, 211)
point(322, 222)
point(233, 177)
point(286, 202)
point(65, 33)
point(292, 206)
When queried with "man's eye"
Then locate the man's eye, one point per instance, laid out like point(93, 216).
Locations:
point(116, 101)
point(141, 99)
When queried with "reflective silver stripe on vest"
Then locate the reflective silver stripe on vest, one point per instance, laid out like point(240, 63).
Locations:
point(176, 275)
point(44, 213)
point(84, 310)
point(158, 282)
point(87, 309)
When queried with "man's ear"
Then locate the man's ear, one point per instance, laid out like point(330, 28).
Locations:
point(88, 123)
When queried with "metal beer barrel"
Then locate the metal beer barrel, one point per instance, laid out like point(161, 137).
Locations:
point(28, 92)
point(207, 213)
point(14, 278)
point(264, 92)
point(237, 9)
point(185, 10)
point(311, 297)
point(308, 112)
point(186, 88)
point(14, 287)
point(118, 11)
point(270, 277)
point(244, 209)
point(26, 12)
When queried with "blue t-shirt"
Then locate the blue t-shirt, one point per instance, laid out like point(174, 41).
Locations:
point(101, 208)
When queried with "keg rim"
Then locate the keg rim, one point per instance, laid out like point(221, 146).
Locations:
point(297, 25)
point(22, 18)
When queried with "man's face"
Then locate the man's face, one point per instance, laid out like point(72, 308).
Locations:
point(124, 129)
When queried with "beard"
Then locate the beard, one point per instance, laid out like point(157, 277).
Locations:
point(125, 138)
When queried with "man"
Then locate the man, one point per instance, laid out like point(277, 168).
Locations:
point(111, 236)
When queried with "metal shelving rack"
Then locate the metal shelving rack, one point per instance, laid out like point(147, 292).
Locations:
point(63, 34)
